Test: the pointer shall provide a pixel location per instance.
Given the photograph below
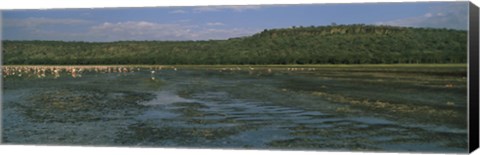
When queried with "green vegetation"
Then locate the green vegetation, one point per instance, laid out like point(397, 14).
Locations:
point(343, 44)
point(67, 105)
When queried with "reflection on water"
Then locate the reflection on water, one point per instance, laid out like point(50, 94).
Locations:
point(164, 97)
point(236, 107)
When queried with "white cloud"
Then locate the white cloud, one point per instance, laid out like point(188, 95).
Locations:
point(128, 30)
point(452, 16)
point(36, 28)
point(224, 33)
point(34, 22)
point(200, 9)
point(237, 8)
point(428, 15)
point(135, 30)
point(143, 30)
point(215, 24)
point(178, 12)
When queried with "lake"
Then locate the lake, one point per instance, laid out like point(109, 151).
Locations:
point(414, 108)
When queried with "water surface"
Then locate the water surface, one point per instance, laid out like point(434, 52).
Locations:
point(374, 109)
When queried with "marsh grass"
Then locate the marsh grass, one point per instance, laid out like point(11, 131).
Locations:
point(424, 113)
point(68, 105)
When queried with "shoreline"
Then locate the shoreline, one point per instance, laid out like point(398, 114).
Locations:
point(247, 65)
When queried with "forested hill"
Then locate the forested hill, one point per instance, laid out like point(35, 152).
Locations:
point(343, 44)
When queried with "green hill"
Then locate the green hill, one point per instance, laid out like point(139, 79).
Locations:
point(342, 44)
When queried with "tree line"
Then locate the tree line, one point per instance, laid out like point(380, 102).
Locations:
point(334, 44)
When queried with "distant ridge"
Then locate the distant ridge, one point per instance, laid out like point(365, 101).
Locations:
point(335, 44)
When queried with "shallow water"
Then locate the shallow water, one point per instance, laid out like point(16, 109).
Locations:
point(256, 109)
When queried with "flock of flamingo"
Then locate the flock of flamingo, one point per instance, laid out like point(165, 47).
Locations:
point(74, 71)
point(77, 71)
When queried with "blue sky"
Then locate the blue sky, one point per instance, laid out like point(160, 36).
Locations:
point(218, 22)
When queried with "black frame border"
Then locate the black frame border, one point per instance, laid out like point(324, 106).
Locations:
point(473, 46)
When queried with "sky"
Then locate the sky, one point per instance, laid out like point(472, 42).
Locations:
point(218, 22)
